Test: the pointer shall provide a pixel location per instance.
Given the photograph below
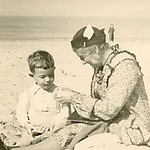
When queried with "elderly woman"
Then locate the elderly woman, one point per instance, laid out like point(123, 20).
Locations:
point(118, 95)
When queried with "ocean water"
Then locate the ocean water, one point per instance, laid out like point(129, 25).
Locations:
point(46, 28)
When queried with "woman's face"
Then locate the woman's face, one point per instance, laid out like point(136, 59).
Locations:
point(92, 58)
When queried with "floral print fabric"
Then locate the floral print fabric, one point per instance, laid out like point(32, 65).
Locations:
point(119, 97)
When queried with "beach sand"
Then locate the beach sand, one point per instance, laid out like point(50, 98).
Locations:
point(70, 72)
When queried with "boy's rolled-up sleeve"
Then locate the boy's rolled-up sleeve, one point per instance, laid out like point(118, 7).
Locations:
point(22, 109)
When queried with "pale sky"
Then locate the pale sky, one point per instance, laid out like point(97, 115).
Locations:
point(124, 8)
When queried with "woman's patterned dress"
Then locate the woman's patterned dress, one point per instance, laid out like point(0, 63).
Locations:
point(118, 97)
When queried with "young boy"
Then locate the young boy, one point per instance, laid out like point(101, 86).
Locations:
point(37, 110)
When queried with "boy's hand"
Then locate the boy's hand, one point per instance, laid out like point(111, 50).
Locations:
point(44, 128)
point(60, 122)
point(40, 130)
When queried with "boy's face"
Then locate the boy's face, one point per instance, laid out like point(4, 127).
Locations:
point(44, 77)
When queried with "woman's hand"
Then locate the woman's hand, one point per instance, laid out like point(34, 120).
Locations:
point(63, 100)
point(63, 96)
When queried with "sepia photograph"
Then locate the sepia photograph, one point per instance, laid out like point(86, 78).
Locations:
point(74, 75)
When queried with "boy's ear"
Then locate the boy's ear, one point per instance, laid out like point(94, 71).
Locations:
point(31, 75)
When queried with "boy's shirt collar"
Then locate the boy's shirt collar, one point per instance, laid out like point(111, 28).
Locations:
point(34, 88)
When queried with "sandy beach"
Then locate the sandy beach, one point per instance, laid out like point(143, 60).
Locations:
point(28, 26)
point(70, 72)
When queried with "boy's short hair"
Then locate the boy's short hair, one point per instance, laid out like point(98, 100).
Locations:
point(40, 59)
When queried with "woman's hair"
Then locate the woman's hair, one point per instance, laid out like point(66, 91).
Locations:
point(81, 41)
point(85, 50)
point(40, 59)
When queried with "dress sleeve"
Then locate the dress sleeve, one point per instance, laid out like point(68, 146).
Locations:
point(22, 109)
point(120, 86)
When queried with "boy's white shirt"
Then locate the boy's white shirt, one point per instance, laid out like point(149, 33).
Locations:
point(42, 104)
